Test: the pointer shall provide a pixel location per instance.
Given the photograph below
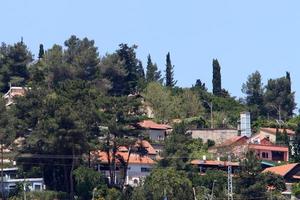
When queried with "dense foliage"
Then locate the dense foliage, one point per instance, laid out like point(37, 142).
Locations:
point(77, 101)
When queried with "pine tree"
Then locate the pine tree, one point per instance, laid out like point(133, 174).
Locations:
point(253, 89)
point(41, 51)
point(152, 74)
point(128, 56)
point(170, 82)
point(217, 87)
point(140, 70)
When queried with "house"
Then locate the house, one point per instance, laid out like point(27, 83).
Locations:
point(13, 92)
point(271, 133)
point(239, 145)
point(290, 174)
point(155, 131)
point(217, 135)
point(139, 167)
point(205, 165)
point(10, 181)
point(270, 152)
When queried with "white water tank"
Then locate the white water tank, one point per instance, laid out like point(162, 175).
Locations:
point(245, 124)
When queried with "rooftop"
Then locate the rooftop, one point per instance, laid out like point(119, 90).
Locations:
point(149, 124)
point(133, 158)
point(268, 147)
point(281, 170)
point(273, 131)
point(214, 163)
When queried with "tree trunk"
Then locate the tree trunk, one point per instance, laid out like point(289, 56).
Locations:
point(71, 175)
point(126, 167)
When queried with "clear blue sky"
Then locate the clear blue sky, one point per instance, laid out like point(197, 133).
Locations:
point(244, 35)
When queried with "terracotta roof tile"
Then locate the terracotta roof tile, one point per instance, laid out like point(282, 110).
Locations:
point(233, 140)
point(149, 124)
point(268, 147)
point(281, 170)
point(133, 159)
point(273, 131)
point(148, 146)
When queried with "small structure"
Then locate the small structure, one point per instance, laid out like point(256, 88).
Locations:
point(217, 135)
point(155, 131)
point(13, 92)
point(245, 124)
point(205, 165)
point(290, 174)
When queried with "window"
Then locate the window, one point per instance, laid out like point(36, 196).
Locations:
point(145, 169)
point(265, 155)
point(37, 187)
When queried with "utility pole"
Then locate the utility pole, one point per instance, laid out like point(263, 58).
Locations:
point(2, 175)
point(229, 179)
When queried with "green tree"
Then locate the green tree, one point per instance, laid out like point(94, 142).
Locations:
point(87, 180)
point(216, 81)
point(190, 105)
point(279, 101)
point(160, 100)
point(249, 185)
point(296, 145)
point(176, 152)
point(167, 182)
point(83, 57)
point(253, 89)
point(128, 56)
point(41, 51)
point(152, 74)
point(170, 82)
point(212, 178)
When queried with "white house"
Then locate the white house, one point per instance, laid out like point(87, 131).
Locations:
point(139, 167)
point(10, 181)
point(155, 131)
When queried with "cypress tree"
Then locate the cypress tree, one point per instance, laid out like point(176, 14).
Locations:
point(217, 87)
point(289, 86)
point(41, 51)
point(170, 82)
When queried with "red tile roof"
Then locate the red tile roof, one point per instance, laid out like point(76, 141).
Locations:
point(133, 159)
point(147, 146)
point(214, 163)
point(234, 140)
point(268, 147)
point(281, 170)
point(149, 124)
point(273, 131)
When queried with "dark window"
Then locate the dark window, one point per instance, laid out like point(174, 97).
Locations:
point(265, 155)
point(145, 169)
